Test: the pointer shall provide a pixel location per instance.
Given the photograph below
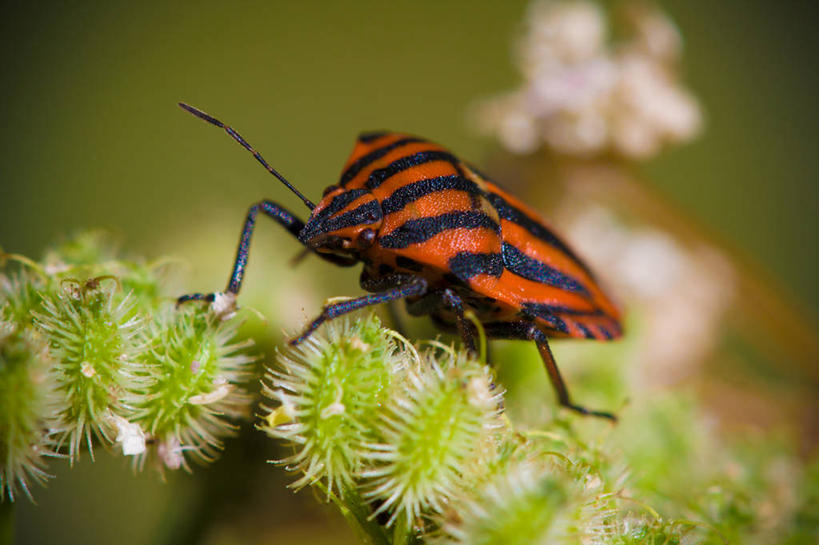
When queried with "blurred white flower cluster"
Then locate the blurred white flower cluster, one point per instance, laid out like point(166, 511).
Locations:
point(583, 95)
point(681, 291)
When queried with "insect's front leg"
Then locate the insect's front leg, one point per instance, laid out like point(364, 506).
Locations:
point(449, 300)
point(394, 287)
point(284, 218)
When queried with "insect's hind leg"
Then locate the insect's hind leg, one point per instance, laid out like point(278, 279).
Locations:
point(528, 331)
point(284, 218)
point(557, 380)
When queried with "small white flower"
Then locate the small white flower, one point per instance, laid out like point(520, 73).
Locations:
point(479, 391)
point(53, 269)
point(129, 435)
point(87, 369)
point(170, 452)
point(221, 391)
point(358, 344)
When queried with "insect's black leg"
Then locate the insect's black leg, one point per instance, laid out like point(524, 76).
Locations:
point(412, 286)
point(209, 297)
point(557, 381)
point(284, 218)
point(528, 331)
point(447, 298)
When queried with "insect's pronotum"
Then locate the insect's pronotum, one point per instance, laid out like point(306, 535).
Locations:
point(432, 230)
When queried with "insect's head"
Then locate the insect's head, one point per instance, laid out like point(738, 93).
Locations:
point(345, 222)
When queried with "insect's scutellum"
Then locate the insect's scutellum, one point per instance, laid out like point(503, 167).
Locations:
point(432, 230)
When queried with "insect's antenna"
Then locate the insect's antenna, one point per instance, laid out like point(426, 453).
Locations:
point(236, 136)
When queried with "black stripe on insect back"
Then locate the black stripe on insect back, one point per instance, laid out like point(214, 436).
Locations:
point(367, 213)
point(339, 202)
point(564, 310)
point(510, 213)
point(377, 177)
point(466, 265)
point(539, 310)
point(319, 223)
point(586, 331)
point(530, 268)
point(363, 162)
point(423, 229)
point(406, 194)
point(549, 314)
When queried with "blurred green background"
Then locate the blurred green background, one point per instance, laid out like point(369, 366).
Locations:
point(93, 138)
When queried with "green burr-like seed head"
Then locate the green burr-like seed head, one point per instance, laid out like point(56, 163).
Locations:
point(193, 370)
point(438, 425)
point(91, 331)
point(329, 391)
point(26, 409)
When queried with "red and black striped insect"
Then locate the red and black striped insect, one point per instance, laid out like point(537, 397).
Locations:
point(430, 229)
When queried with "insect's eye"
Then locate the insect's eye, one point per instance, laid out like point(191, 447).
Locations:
point(366, 238)
point(329, 189)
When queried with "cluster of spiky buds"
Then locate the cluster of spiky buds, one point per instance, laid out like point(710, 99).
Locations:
point(370, 421)
point(92, 353)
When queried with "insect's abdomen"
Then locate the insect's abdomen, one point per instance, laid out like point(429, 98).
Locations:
point(545, 279)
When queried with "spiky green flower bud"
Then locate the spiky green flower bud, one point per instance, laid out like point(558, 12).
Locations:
point(438, 427)
point(26, 409)
point(20, 296)
point(91, 332)
point(193, 369)
point(329, 390)
point(529, 503)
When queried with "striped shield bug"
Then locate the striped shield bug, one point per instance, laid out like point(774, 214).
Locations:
point(430, 229)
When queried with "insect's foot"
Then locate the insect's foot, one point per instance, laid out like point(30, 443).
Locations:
point(295, 341)
point(306, 333)
point(586, 412)
point(223, 305)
